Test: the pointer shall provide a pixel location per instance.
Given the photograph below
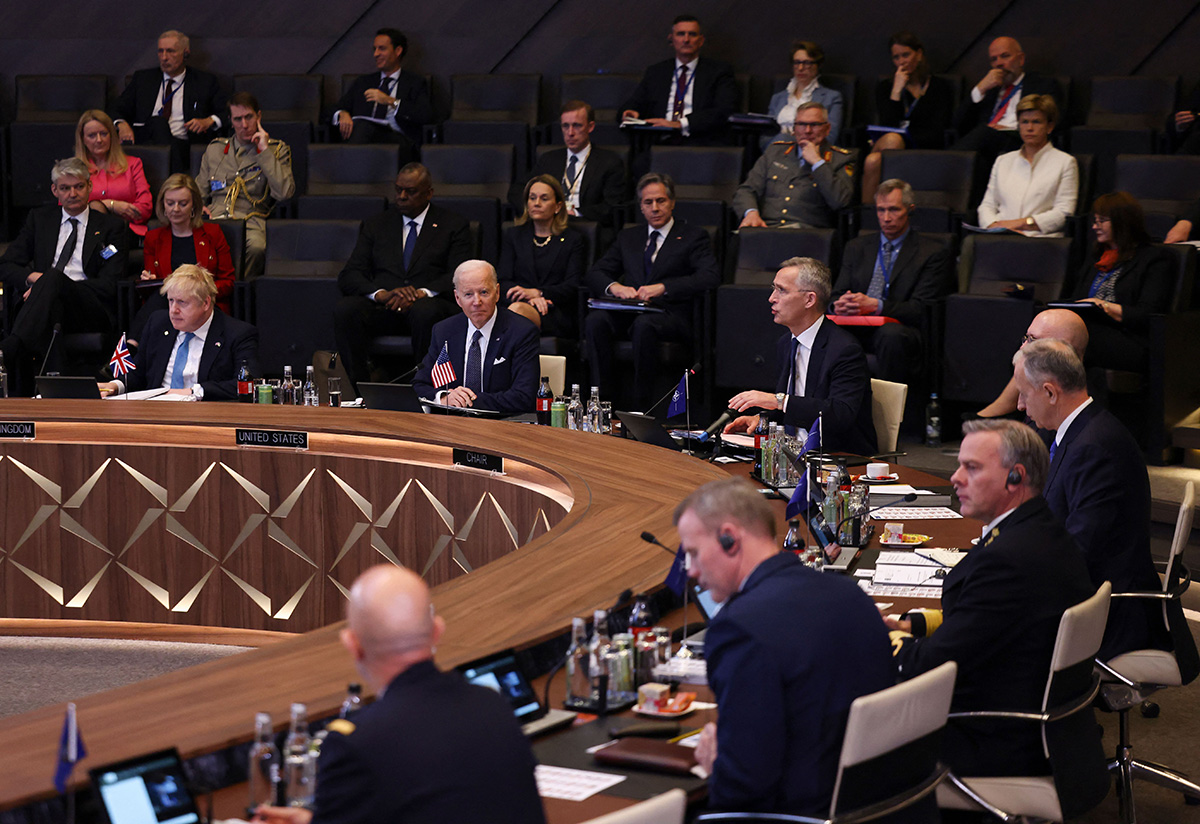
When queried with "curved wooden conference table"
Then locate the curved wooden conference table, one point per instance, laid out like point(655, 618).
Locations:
point(149, 512)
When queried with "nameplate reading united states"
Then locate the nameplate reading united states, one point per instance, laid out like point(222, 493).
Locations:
point(22, 430)
point(479, 460)
point(278, 438)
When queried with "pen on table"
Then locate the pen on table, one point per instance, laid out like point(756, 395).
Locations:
point(689, 734)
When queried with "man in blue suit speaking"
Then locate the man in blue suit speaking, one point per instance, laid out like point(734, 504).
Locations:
point(481, 358)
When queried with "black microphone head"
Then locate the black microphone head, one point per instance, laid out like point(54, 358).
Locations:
point(695, 368)
point(649, 538)
point(909, 498)
point(58, 328)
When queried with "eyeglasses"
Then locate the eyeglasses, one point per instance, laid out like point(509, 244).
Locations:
point(1098, 219)
point(1028, 338)
point(800, 127)
point(804, 63)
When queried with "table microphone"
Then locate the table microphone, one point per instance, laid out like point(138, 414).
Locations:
point(649, 538)
point(719, 424)
point(407, 374)
point(53, 337)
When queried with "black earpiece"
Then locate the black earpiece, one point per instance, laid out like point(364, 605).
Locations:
point(1014, 477)
point(726, 541)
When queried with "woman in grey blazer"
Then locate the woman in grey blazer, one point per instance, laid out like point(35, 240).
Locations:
point(807, 58)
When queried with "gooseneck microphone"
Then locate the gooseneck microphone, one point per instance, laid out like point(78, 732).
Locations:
point(53, 337)
point(717, 425)
point(649, 538)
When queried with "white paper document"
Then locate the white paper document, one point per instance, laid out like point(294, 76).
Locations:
point(572, 785)
point(914, 513)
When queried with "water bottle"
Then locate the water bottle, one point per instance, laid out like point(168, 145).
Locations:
point(311, 397)
point(245, 385)
point(621, 682)
point(598, 653)
point(287, 388)
point(575, 409)
point(641, 616)
point(794, 541)
point(3, 378)
point(296, 771)
point(592, 423)
point(760, 437)
point(544, 399)
point(352, 703)
point(579, 676)
point(933, 421)
point(264, 764)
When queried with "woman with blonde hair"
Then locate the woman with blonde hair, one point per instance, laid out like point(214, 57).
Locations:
point(119, 184)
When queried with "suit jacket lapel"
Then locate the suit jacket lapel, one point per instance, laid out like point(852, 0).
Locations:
point(900, 266)
point(493, 350)
point(665, 248)
point(47, 240)
point(424, 237)
point(816, 358)
point(162, 355)
point(212, 345)
point(1060, 452)
point(90, 241)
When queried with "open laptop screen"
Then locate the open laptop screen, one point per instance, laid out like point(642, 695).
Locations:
point(149, 789)
point(502, 673)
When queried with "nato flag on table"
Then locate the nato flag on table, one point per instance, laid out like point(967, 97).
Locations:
point(70, 750)
point(679, 400)
point(800, 495)
point(677, 575)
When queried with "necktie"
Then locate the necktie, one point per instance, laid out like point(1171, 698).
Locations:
point(651, 248)
point(680, 92)
point(410, 243)
point(1001, 105)
point(385, 85)
point(571, 172)
point(168, 96)
point(879, 278)
point(1053, 449)
point(68, 248)
point(474, 379)
point(792, 382)
point(181, 361)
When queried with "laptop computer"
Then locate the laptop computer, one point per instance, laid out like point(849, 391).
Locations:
point(647, 429)
point(60, 387)
point(502, 673)
point(148, 789)
point(709, 607)
point(393, 397)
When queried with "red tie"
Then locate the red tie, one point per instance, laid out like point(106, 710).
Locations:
point(680, 92)
point(1001, 105)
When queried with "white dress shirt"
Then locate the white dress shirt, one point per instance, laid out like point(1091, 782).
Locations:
point(687, 94)
point(486, 329)
point(74, 267)
point(787, 115)
point(389, 112)
point(191, 368)
point(1067, 421)
point(1046, 190)
point(573, 190)
point(803, 356)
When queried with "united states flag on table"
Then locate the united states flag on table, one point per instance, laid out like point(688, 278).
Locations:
point(121, 363)
point(443, 370)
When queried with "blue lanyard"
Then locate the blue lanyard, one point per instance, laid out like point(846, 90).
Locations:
point(1100, 278)
point(675, 86)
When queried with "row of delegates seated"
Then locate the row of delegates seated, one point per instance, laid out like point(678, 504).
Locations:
point(542, 261)
point(119, 184)
point(191, 348)
point(914, 101)
point(62, 268)
point(185, 238)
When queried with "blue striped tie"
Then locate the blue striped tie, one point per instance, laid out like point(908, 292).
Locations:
point(181, 361)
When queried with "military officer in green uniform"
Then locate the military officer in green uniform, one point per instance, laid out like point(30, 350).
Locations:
point(801, 182)
point(243, 176)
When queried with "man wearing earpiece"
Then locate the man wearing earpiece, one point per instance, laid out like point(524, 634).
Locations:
point(1001, 605)
point(1097, 485)
point(786, 656)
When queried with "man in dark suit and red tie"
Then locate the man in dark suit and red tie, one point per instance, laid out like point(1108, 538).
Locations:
point(398, 279)
point(481, 358)
point(63, 266)
point(388, 105)
point(691, 94)
point(823, 371)
point(1097, 486)
point(192, 348)
point(666, 264)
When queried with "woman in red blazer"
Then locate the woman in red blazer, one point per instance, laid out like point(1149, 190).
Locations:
point(185, 238)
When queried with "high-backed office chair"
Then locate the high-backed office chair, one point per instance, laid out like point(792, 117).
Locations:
point(1131, 101)
point(606, 93)
point(1161, 183)
point(667, 808)
point(940, 178)
point(894, 727)
point(58, 98)
point(511, 97)
point(309, 248)
point(33, 150)
point(349, 169)
point(746, 338)
point(474, 171)
point(887, 411)
point(1132, 676)
point(284, 96)
point(1041, 264)
point(760, 251)
point(1070, 740)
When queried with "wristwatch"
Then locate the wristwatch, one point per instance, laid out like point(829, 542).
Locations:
point(779, 397)
point(1031, 223)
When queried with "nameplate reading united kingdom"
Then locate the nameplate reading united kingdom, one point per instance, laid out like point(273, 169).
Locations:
point(479, 460)
point(276, 438)
point(21, 430)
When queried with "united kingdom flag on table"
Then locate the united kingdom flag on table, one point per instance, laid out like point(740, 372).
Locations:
point(121, 363)
point(443, 370)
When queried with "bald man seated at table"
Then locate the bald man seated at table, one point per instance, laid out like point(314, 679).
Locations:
point(431, 749)
point(1060, 324)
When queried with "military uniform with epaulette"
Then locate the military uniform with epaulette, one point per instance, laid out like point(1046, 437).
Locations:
point(787, 192)
point(240, 182)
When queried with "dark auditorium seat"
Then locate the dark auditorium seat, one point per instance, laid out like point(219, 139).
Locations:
point(476, 171)
point(512, 97)
point(760, 251)
point(58, 98)
point(284, 96)
point(940, 178)
point(294, 317)
point(606, 92)
point(1132, 102)
point(493, 133)
point(482, 212)
point(700, 172)
point(348, 169)
point(339, 207)
point(309, 248)
point(1161, 183)
point(745, 338)
point(156, 163)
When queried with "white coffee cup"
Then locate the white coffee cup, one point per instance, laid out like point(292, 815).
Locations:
point(878, 470)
